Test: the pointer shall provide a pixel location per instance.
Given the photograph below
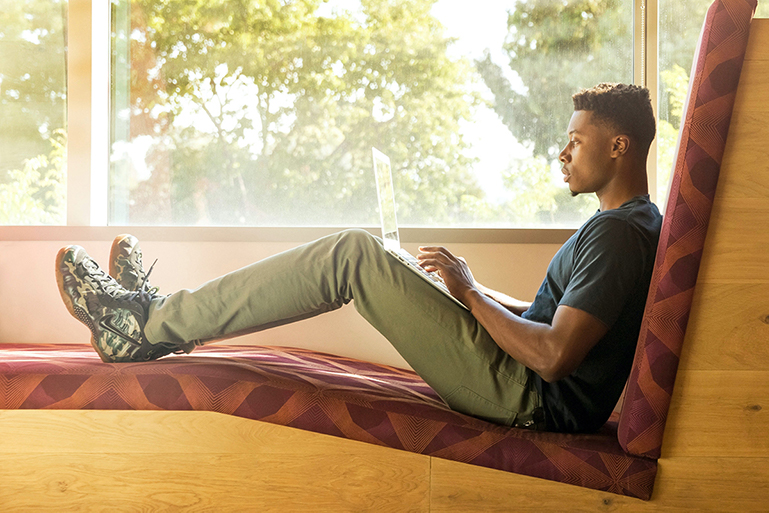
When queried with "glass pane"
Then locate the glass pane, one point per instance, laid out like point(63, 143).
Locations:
point(266, 114)
point(680, 23)
point(33, 88)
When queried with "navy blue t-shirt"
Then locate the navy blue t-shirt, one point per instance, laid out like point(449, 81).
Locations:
point(604, 269)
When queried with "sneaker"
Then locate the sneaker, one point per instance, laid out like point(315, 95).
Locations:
point(125, 264)
point(115, 316)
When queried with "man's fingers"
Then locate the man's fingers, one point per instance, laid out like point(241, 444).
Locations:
point(439, 255)
point(435, 252)
point(427, 262)
point(434, 249)
point(432, 259)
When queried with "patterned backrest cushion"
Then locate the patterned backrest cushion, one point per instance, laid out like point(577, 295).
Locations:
point(712, 88)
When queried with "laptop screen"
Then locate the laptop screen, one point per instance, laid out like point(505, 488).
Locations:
point(386, 196)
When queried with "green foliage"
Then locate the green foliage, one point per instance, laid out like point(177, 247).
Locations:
point(675, 83)
point(538, 200)
point(322, 90)
point(32, 110)
point(265, 112)
point(667, 138)
point(679, 28)
point(36, 193)
point(556, 49)
point(32, 78)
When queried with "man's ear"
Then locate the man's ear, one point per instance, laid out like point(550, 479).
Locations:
point(620, 146)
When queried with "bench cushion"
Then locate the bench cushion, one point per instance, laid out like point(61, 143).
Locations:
point(316, 392)
point(705, 124)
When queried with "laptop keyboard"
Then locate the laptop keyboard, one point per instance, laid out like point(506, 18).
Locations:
point(409, 260)
point(415, 263)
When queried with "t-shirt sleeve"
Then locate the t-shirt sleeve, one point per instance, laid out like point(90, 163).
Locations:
point(609, 259)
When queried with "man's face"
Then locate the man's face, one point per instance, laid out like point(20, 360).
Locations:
point(587, 155)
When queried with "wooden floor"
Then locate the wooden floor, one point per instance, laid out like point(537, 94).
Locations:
point(715, 454)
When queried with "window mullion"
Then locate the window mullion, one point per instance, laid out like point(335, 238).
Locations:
point(652, 76)
point(100, 108)
point(645, 64)
point(79, 113)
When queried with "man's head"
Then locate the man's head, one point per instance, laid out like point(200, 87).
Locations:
point(609, 137)
point(624, 107)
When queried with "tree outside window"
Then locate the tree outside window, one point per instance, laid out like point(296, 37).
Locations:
point(265, 113)
point(33, 84)
point(238, 112)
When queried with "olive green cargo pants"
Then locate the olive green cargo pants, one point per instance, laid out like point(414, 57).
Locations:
point(443, 342)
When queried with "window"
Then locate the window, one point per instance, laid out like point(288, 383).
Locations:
point(264, 113)
point(33, 87)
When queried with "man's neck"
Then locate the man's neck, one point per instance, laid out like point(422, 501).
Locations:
point(612, 199)
point(619, 192)
point(617, 202)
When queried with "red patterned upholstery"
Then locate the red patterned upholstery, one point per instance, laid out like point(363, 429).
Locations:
point(715, 74)
point(315, 392)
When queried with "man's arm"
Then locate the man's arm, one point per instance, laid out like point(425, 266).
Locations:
point(515, 306)
point(552, 351)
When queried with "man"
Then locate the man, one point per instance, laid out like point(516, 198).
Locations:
point(559, 363)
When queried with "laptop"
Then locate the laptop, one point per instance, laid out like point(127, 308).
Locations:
point(392, 244)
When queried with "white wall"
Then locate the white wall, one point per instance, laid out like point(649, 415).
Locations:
point(31, 310)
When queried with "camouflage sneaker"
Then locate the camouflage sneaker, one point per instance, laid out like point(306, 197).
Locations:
point(125, 264)
point(115, 316)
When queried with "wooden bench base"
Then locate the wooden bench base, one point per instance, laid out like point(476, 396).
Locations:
point(84, 460)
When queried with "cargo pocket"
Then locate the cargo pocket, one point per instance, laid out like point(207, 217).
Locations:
point(466, 401)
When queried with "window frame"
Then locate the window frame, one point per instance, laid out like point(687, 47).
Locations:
point(88, 149)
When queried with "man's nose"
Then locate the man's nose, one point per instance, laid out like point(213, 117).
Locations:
point(564, 156)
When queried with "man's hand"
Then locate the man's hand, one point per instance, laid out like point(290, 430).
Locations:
point(452, 269)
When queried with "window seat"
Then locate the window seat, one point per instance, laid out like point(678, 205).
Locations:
point(388, 407)
point(316, 392)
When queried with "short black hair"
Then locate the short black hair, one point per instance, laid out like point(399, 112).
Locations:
point(625, 107)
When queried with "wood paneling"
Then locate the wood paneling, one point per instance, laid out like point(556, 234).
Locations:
point(132, 431)
point(737, 245)
point(751, 87)
point(728, 327)
point(719, 414)
point(138, 460)
point(134, 460)
point(746, 158)
point(759, 40)
point(683, 484)
point(203, 482)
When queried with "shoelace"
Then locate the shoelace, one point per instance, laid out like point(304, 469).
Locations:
point(101, 279)
point(110, 286)
point(145, 280)
point(144, 294)
point(136, 261)
point(142, 297)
